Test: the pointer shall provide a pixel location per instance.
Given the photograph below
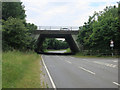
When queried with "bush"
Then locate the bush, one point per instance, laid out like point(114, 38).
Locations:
point(14, 34)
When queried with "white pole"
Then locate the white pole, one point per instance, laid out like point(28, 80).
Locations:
point(112, 51)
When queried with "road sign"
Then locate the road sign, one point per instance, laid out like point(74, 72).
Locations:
point(111, 45)
point(111, 42)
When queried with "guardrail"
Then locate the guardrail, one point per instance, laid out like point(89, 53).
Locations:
point(73, 28)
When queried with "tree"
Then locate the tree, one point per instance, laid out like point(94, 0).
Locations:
point(17, 33)
point(119, 14)
point(52, 43)
point(13, 9)
point(14, 34)
point(32, 41)
point(100, 29)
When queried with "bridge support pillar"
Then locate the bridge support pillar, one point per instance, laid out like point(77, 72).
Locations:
point(75, 40)
point(39, 43)
point(72, 43)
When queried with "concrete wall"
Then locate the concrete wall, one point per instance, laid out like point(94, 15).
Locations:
point(72, 43)
point(39, 43)
point(75, 40)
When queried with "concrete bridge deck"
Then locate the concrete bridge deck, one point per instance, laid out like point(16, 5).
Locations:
point(56, 32)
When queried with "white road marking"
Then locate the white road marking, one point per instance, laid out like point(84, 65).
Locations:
point(84, 59)
point(87, 70)
point(106, 64)
point(115, 61)
point(68, 62)
point(116, 83)
point(53, 84)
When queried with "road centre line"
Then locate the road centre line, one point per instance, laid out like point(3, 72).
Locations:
point(82, 68)
point(68, 61)
point(87, 70)
point(84, 59)
point(116, 83)
point(53, 84)
point(115, 61)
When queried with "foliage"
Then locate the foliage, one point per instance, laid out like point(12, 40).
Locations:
point(13, 9)
point(99, 30)
point(32, 41)
point(17, 33)
point(53, 43)
point(14, 34)
point(68, 50)
point(119, 14)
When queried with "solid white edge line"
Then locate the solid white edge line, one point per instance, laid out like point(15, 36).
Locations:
point(53, 84)
point(116, 83)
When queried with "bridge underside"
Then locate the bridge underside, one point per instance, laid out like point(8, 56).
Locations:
point(68, 35)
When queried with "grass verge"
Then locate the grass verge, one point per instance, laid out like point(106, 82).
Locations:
point(20, 70)
point(68, 50)
point(93, 56)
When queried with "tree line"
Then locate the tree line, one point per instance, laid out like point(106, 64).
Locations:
point(102, 27)
point(53, 43)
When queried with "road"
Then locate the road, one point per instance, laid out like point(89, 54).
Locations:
point(57, 51)
point(71, 72)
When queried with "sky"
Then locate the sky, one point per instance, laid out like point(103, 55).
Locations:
point(63, 12)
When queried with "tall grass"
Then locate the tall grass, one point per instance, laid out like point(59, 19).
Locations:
point(0, 69)
point(20, 70)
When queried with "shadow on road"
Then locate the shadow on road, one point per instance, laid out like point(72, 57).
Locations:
point(49, 53)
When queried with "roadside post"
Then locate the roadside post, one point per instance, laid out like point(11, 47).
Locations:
point(112, 45)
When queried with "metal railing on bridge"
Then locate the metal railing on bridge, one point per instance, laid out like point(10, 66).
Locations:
point(72, 28)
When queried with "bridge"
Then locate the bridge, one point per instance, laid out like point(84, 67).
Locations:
point(69, 33)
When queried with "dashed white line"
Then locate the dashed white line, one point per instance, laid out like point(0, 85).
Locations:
point(115, 61)
point(116, 83)
point(53, 84)
point(84, 59)
point(87, 70)
point(68, 62)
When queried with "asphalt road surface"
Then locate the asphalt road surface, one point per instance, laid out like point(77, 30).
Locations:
point(71, 72)
point(62, 51)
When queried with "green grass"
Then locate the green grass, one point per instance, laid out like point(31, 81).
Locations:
point(0, 70)
point(93, 56)
point(68, 50)
point(21, 70)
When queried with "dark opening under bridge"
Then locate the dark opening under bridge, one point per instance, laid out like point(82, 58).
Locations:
point(69, 33)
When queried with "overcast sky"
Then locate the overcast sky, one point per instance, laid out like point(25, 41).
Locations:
point(63, 12)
